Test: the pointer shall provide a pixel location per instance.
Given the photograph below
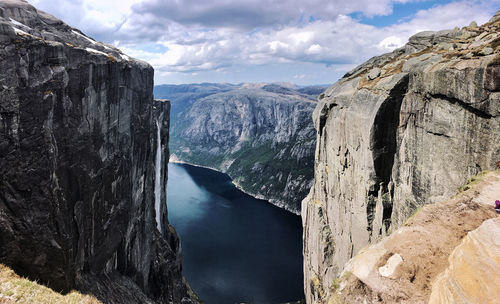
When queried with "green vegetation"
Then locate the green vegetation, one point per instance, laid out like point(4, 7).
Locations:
point(265, 157)
point(473, 180)
point(337, 281)
point(417, 211)
point(249, 164)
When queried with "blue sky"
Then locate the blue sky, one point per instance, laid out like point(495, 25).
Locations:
point(304, 42)
point(401, 12)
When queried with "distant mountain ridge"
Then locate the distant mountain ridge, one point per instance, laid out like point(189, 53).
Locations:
point(260, 134)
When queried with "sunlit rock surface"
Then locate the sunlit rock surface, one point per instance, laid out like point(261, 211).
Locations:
point(473, 274)
point(439, 249)
point(402, 130)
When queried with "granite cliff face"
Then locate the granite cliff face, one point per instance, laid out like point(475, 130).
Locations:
point(83, 152)
point(262, 136)
point(402, 130)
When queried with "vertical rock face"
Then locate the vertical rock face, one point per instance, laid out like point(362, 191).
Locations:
point(403, 129)
point(78, 142)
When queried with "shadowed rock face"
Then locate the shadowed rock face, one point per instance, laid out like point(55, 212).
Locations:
point(402, 130)
point(78, 142)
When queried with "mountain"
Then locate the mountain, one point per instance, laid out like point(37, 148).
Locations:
point(261, 135)
point(83, 153)
point(402, 130)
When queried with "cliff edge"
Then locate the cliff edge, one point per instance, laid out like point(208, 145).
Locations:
point(402, 130)
point(447, 252)
point(14, 289)
point(83, 152)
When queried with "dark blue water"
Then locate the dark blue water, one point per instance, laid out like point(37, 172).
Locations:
point(236, 248)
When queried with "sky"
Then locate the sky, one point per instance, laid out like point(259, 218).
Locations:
point(300, 41)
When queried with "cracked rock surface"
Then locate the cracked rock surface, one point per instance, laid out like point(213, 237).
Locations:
point(446, 252)
point(402, 130)
point(79, 132)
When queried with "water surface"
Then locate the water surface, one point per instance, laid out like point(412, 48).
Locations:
point(236, 248)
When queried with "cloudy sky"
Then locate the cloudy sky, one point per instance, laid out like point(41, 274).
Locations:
point(299, 41)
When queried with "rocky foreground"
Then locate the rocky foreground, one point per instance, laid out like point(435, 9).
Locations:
point(400, 131)
point(83, 152)
point(448, 252)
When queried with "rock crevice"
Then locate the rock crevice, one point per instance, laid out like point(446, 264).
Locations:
point(402, 130)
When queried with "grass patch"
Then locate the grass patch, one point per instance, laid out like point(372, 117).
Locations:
point(472, 181)
point(417, 211)
point(337, 281)
point(317, 287)
point(14, 289)
point(366, 83)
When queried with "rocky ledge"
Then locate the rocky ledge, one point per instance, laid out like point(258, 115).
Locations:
point(83, 152)
point(472, 274)
point(400, 131)
point(415, 264)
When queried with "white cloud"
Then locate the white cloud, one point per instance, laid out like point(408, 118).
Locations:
point(199, 37)
point(95, 17)
point(259, 13)
point(391, 43)
point(314, 49)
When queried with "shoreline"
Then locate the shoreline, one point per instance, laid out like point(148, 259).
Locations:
point(260, 197)
point(199, 166)
point(256, 196)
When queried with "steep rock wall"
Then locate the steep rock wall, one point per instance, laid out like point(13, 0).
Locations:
point(78, 141)
point(404, 129)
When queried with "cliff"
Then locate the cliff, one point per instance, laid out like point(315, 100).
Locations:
point(402, 130)
point(83, 153)
point(417, 265)
point(248, 131)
